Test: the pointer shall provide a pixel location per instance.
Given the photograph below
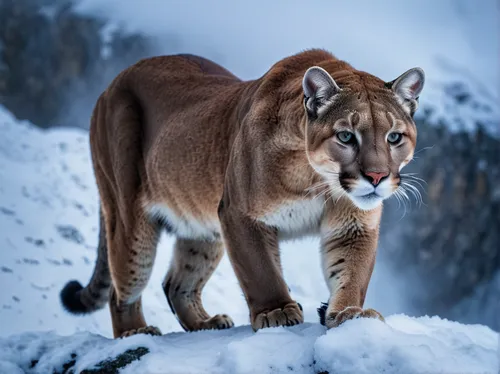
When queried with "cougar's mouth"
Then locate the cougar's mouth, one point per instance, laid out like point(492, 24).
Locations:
point(371, 195)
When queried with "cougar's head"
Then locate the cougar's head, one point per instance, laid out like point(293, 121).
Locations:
point(360, 131)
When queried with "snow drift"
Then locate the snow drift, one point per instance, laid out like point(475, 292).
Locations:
point(402, 345)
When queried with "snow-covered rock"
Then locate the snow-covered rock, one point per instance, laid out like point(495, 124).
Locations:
point(402, 345)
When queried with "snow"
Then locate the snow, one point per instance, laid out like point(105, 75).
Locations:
point(405, 345)
point(402, 345)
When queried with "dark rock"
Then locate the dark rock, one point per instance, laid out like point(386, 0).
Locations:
point(49, 55)
point(113, 366)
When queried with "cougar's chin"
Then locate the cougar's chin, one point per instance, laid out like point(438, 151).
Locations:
point(367, 202)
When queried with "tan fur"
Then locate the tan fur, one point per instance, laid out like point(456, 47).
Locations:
point(179, 142)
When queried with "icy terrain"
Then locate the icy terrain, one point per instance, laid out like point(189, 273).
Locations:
point(403, 345)
point(48, 233)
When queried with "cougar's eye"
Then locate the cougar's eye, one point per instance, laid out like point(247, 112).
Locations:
point(345, 137)
point(394, 137)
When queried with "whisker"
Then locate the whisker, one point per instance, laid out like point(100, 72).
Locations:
point(317, 186)
point(333, 173)
point(398, 199)
point(416, 192)
point(334, 191)
point(410, 178)
point(401, 196)
point(326, 200)
point(403, 191)
point(416, 182)
point(321, 194)
point(405, 198)
point(413, 177)
point(423, 149)
point(342, 194)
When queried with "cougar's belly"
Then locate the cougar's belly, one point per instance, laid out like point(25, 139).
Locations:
point(186, 206)
point(183, 225)
point(186, 203)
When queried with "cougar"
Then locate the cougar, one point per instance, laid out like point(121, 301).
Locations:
point(179, 143)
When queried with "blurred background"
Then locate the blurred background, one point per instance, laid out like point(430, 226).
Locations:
point(56, 56)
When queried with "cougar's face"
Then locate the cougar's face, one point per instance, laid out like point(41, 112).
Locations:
point(359, 141)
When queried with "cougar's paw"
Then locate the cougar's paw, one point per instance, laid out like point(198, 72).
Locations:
point(149, 330)
point(351, 312)
point(290, 315)
point(217, 322)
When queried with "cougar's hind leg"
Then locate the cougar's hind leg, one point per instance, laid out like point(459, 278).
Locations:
point(193, 263)
point(132, 250)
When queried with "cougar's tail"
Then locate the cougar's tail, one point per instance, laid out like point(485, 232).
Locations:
point(79, 300)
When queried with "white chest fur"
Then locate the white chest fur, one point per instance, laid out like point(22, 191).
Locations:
point(296, 218)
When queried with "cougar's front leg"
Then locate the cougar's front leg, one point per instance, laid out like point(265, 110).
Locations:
point(348, 247)
point(253, 249)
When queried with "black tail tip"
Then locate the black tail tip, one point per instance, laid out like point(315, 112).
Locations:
point(70, 298)
point(322, 313)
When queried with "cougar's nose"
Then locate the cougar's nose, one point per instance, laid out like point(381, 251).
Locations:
point(375, 177)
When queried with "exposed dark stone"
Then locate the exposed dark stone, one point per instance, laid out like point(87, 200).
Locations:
point(113, 366)
point(50, 55)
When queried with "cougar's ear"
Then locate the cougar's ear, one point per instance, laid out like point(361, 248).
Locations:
point(319, 90)
point(407, 88)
